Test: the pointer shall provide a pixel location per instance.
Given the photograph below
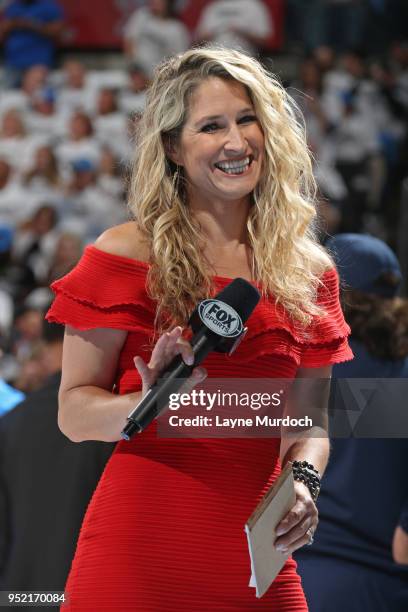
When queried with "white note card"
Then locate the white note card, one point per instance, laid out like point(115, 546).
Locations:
point(266, 562)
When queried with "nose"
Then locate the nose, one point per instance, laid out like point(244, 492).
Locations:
point(235, 142)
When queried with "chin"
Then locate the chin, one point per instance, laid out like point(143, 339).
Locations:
point(238, 193)
point(234, 196)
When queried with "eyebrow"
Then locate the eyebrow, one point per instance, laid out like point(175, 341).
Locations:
point(215, 117)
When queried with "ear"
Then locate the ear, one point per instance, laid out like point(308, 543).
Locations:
point(172, 149)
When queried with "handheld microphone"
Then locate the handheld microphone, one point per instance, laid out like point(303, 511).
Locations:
point(218, 324)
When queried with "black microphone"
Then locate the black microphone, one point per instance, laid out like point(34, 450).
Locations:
point(218, 324)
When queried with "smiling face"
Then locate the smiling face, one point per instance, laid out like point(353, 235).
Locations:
point(221, 146)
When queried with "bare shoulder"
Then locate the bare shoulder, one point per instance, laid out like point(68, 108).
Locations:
point(321, 260)
point(125, 240)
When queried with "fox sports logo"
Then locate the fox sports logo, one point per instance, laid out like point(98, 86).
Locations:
point(220, 318)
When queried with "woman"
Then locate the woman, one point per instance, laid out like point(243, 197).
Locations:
point(221, 188)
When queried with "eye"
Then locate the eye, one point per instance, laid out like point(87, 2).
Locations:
point(210, 127)
point(248, 119)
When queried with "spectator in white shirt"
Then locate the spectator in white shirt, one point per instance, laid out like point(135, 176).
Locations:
point(307, 93)
point(110, 124)
point(16, 205)
point(358, 160)
point(153, 33)
point(43, 118)
point(35, 78)
point(43, 176)
point(240, 24)
point(110, 177)
point(80, 143)
point(14, 142)
point(132, 99)
point(88, 209)
point(73, 93)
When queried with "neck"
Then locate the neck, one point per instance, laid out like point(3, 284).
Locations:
point(223, 223)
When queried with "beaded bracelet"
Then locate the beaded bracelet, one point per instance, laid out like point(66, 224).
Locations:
point(305, 472)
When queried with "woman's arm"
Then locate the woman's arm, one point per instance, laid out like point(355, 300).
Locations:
point(88, 410)
point(308, 397)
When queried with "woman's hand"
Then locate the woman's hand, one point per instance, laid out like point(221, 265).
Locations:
point(167, 347)
point(297, 528)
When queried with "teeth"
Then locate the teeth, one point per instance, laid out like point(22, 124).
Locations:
point(234, 167)
point(235, 170)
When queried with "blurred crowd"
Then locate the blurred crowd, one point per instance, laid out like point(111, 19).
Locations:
point(67, 133)
point(65, 142)
point(356, 111)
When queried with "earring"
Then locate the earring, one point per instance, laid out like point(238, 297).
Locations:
point(176, 183)
point(176, 178)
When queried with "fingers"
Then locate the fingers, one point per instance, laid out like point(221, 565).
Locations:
point(291, 531)
point(304, 505)
point(168, 346)
point(197, 376)
point(286, 542)
point(302, 541)
point(163, 347)
point(292, 518)
point(144, 372)
point(185, 350)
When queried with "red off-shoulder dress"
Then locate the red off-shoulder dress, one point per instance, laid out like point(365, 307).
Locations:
point(164, 531)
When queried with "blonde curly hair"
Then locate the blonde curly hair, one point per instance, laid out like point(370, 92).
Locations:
point(287, 259)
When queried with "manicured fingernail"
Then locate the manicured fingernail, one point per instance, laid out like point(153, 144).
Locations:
point(189, 360)
point(280, 531)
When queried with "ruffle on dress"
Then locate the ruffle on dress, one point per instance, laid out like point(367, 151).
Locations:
point(103, 290)
point(109, 291)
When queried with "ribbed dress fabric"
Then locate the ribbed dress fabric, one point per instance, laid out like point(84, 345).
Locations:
point(164, 531)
